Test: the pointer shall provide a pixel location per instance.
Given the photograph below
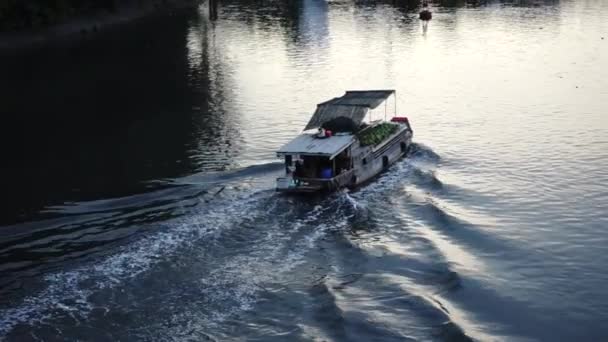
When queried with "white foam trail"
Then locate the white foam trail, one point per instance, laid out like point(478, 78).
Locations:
point(352, 201)
point(395, 175)
point(66, 293)
point(237, 285)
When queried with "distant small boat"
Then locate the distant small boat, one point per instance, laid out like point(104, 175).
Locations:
point(349, 148)
point(426, 15)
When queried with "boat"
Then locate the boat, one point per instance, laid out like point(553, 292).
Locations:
point(347, 142)
point(425, 14)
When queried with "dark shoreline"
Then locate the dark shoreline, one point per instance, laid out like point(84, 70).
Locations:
point(85, 26)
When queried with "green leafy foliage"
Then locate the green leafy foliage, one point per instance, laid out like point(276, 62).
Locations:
point(376, 134)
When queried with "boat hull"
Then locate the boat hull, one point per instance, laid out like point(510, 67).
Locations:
point(368, 163)
point(382, 158)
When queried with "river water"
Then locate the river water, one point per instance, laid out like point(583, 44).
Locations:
point(138, 174)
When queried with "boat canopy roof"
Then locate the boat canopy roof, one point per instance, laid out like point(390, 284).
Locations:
point(309, 144)
point(354, 104)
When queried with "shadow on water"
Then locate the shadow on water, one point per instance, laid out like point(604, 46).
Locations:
point(99, 118)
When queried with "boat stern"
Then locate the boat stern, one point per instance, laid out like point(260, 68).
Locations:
point(290, 185)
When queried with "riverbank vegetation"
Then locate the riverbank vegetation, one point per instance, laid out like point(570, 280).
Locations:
point(19, 15)
point(16, 15)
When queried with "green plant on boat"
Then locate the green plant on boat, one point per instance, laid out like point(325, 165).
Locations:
point(376, 134)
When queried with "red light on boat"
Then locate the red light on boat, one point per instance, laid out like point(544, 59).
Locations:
point(400, 119)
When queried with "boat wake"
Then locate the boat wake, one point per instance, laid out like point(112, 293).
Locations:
point(229, 254)
point(68, 292)
point(271, 233)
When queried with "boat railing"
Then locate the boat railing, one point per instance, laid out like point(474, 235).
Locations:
point(339, 180)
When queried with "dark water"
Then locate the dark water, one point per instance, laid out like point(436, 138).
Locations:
point(138, 168)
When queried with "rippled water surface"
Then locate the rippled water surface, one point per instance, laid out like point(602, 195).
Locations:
point(138, 170)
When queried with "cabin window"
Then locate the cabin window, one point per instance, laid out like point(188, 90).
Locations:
point(384, 162)
point(342, 162)
point(364, 161)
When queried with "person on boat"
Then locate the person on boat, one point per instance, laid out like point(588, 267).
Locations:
point(321, 133)
point(298, 171)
